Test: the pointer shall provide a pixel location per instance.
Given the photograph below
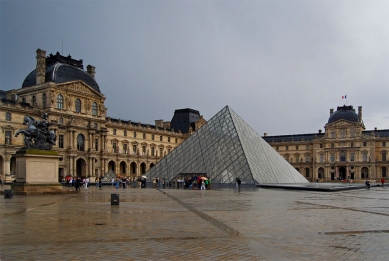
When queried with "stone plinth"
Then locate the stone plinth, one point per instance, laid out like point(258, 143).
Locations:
point(37, 172)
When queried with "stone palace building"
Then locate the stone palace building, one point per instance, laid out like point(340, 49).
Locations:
point(345, 151)
point(89, 143)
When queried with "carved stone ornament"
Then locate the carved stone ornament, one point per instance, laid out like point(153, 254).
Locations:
point(37, 135)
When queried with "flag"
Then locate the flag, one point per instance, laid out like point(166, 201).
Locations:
point(344, 97)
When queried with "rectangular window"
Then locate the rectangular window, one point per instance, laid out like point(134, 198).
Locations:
point(144, 136)
point(383, 156)
point(277, 148)
point(60, 141)
point(384, 144)
point(352, 133)
point(364, 144)
point(168, 151)
point(160, 152)
point(321, 158)
point(332, 157)
point(125, 133)
point(152, 151)
point(160, 138)
point(152, 136)
point(125, 148)
point(96, 144)
point(134, 148)
point(8, 137)
point(333, 134)
point(287, 148)
point(134, 134)
point(342, 134)
point(321, 146)
point(8, 116)
point(297, 147)
point(143, 150)
point(176, 140)
point(307, 158)
point(307, 147)
point(352, 156)
point(114, 147)
point(168, 139)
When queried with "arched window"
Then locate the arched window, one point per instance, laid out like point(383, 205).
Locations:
point(23, 99)
point(44, 100)
point(80, 142)
point(8, 116)
point(59, 101)
point(94, 109)
point(78, 105)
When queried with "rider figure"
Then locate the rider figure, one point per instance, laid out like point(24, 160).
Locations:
point(43, 125)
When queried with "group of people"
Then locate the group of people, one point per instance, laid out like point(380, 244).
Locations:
point(121, 181)
point(77, 182)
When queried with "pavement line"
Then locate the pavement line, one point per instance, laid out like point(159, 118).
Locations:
point(220, 225)
point(356, 232)
point(335, 207)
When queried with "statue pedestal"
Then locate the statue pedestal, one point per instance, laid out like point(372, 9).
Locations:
point(37, 172)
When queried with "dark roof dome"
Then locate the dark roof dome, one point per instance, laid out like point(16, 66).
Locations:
point(344, 113)
point(60, 69)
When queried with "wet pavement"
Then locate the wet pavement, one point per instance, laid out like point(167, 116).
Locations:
point(171, 224)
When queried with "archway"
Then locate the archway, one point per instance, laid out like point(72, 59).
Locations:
point(112, 166)
point(133, 169)
point(384, 172)
point(123, 169)
point(364, 173)
point(151, 165)
point(320, 173)
point(81, 168)
point(342, 173)
point(12, 166)
point(143, 168)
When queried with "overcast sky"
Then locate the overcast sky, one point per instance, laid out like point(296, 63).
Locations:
point(280, 65)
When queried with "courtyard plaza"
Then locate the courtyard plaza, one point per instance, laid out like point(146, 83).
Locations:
point(177, 224)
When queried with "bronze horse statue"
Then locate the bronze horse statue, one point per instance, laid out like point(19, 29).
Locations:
point(37, 133)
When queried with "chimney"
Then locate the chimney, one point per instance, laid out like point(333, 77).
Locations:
point(91, 70)
point(158, 123)
point(360, 113)
point(331, 111)
point(320, 131)
point(375, 128)
point(40, 66)
point(265, 134)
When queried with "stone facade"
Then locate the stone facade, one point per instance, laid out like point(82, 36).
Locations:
point(88, 142)
point(345, 151)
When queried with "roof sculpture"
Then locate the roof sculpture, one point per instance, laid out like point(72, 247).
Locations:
point(226, 148)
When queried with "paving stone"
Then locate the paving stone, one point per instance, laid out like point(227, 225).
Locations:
point(176, 224)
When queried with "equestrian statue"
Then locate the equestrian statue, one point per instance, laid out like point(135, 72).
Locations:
point(37, 135)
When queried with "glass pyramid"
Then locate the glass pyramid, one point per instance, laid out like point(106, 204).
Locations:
point(223, 149)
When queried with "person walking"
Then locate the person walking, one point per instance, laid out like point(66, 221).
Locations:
point(382, 181)
point(86, 182)
point(113, 181)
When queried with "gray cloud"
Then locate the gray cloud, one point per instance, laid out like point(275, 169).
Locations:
point(281, 65)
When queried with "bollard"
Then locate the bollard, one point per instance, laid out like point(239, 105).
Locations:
point(114, 199)
point(8, 193)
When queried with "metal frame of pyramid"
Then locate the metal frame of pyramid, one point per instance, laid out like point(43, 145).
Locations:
point(224, 149)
